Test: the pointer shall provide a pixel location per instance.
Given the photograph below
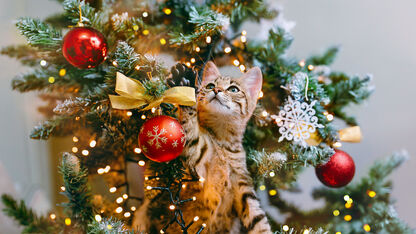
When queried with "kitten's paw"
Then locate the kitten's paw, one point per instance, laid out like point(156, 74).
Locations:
point(182, 76)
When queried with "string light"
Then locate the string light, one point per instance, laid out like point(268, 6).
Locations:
point(338, 233)
point(272, 174)
point(184, 186)
point(348, 205)
point(143, 117)
point(135, 27)
point(62, 72)
point(62, 188)
point(202, 180)
point(127, 214)
point(109, 227)
point(262, 187)
point(371, 193)
point(350, 201)
point(188, 64)
point(141, 163)
point(77, 118)
point(167, 11)
point(74, 149)
point(208, 39)
point(93, 143)
point(244, 32)
point(163, 41)
point(193, 60)
point(125, 196)
point(193, 198)
point(346, 197)
point(85, 152)
point(107, 169)
point(146, 178)
point(261, 94)
point(227, 49)
point(75, 139)
point(347, 218)
point(133, 208)
point(115, 64)
point(236, 62)
point(310, 67)
point(367, 227)
point(137, 150)
point(51, 80)
point(264, 113)
point(330, 117)
point(43, 63)
point(242, 68)
point(67, 221)
point(172, 207)
point(196, 218)
point(337, 144)
point(100, 171)
point(146, 32)
point(197, 49)
point(272, 192)
point(335, 213)
point(119, 210)
point(137, 67)
point(145, 14)
point(119, 200)
point(129, 113)
point(52, 216)
point(285, 228)
point(302, 63)
point(98, 218)
point(149, 187)
point(306, 231)
point(112, 189)
point(243, 39)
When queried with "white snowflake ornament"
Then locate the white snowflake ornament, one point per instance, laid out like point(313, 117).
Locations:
point(297, 121)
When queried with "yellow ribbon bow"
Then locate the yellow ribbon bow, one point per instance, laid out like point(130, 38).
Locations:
point(133, 95)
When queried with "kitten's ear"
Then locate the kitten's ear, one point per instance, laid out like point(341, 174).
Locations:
point(253, 79)
point(210, 73)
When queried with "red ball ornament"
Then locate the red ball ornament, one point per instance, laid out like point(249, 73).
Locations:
point(84, 47)
point(162, 138)
point(338, 171)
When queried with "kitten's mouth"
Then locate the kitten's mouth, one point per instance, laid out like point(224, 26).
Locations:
point(215, 98)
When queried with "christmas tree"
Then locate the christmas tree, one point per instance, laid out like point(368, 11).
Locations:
point(101, 66)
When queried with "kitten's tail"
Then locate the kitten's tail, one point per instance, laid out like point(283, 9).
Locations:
point(141, 220)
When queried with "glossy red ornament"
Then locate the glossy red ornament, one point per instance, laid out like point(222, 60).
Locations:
point(84, 47)
point(162, 138)
point(338, 171)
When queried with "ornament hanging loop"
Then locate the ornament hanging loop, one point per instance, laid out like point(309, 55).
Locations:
point(306, 88)
point(80, 24)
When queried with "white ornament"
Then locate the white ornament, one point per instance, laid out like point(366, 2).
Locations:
point(297, 120)
point(157, 137)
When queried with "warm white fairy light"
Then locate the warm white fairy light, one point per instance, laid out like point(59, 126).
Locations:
point(100, 171)
point(242, 68)
point(137, 150)
point(330, 117)
point(302, 63)
point(119, 200)
point(261, 94)
point(310, 67)
point(146, 178)
point(202, 180)
point(227, 49)
point(145, 14)
point(107, 169)
point(137, 67)
point(163, 41)
point(272, 192)
point(193, 60)
point(153, 109)
point(112, 189)
point(63, 188)
point(264, 113)
point(119, 210)
point(52, 216)
point(115, 64)
point(75, 139)
point(188, 64)
point(85, 152)
point(161, 231)
point(204, 225)
point(143, 117)
point(193, 198)
point(93, 143)
point(306, 231)
point(68, 221)
point(125, 196)
point(244, 32)
point(127, 214)
point(133, 208)
point(337, 144)
point(149, 187)
point(196, 218)
point(272, 174)
point(43, 63)
point(197, 49)
point(346, 198)
point(74, 149)
point(285, 228)
point(184, 186)
point(51, 80)
point(172, 207)
point(141, 163)
point(236, 62)
point(243, 39)
point(208, 39)
point(262, 187)
point(98, 218)
point(129, 113)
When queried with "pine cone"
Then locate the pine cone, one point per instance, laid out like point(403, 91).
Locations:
point(182, 76)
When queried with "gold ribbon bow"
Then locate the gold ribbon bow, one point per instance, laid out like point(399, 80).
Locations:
point(350, 134)
point(133, 95)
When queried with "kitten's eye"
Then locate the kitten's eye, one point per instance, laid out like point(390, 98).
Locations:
point(210, 86)
point(233, 89)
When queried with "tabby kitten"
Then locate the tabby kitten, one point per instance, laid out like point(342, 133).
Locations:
point(226, 200)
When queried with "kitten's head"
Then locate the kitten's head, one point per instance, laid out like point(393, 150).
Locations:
point(228, 99)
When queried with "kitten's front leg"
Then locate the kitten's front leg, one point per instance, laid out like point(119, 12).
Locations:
point(247, 206)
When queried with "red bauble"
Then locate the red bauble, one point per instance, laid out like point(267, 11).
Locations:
point(338, 171)
point(162, 138)
point(84, 47)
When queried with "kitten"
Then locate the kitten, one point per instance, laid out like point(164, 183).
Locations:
point(226, 200)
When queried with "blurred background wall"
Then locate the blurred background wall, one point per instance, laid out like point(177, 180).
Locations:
point(377, 36)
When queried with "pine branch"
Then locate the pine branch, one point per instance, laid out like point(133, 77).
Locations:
point(39, 34)
point(101, 227)
point(90, 16)
point(27, 55)
point(26, 216)
point(327, 58)
point(76, 190)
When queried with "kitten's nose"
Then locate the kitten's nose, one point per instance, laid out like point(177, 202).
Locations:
point(216, 90)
